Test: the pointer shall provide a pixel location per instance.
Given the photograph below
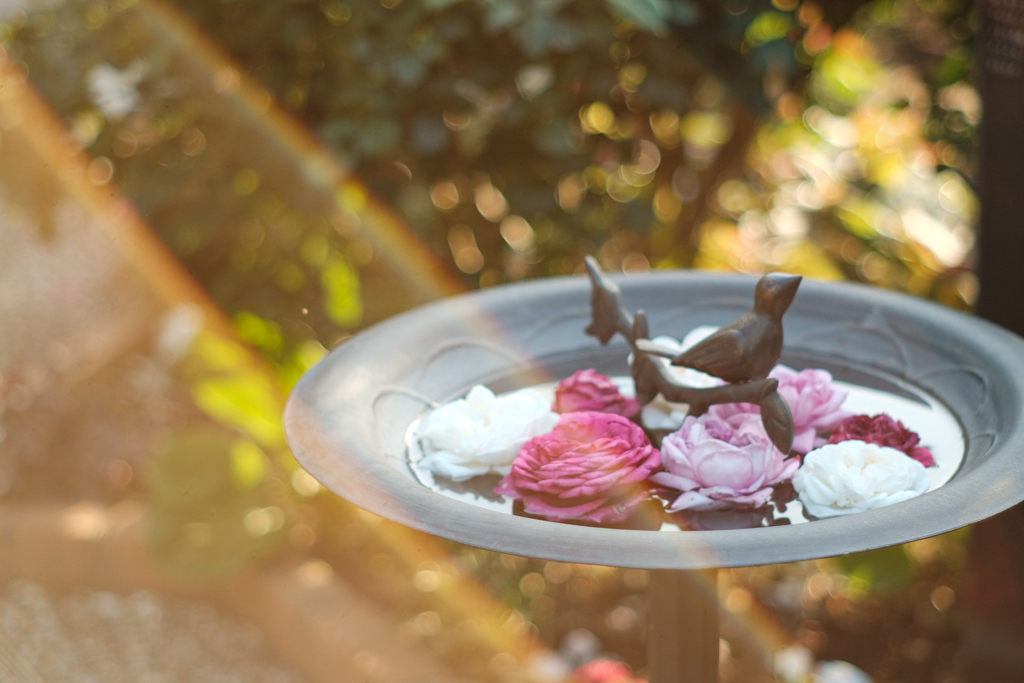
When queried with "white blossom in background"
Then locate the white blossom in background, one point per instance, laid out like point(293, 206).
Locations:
point(534, 79)
point(854, 476)
point(547, 667)
point(794, 664)
point(579, 646)
point(115, 91)
point(177, 330)
point(482, 432)
point(662, 414)
point(838, 671)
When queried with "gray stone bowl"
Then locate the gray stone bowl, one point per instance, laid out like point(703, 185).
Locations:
point(348, 417)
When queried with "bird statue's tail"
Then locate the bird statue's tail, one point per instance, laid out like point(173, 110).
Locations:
point(776, 417)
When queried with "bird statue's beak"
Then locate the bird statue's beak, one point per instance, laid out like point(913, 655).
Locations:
point(775, 292)
point(788, 286)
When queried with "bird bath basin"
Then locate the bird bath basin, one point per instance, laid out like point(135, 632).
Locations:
point(348, 419)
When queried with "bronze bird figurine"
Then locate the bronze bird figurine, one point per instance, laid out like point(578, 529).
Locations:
point(749, 347)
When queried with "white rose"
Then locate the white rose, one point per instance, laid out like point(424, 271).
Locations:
point(662, 414)
point(853, 476)
point(482, 433)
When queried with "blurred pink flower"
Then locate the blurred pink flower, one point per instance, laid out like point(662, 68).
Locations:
point(605, 671)
point(592, 466)
point(589, 390)
point(816, 404)
point(719, 463)
point(884, 431)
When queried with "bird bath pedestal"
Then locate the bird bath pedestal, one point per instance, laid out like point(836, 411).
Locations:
point(348, 420)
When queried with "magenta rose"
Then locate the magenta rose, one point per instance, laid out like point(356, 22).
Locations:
point(589, 390)
point(816, 404)
point(592, 466)
point(884, 431)
point(720, 463)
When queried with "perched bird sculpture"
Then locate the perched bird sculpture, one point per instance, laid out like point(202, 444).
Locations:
point(742, 353)
point(749, 347)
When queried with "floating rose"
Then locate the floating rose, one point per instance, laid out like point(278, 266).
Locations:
point(718, 463)
point(482, 433)
point(688, 376)
point(662, 414)
point(884, 431)
point(816, 404)
point(591, 466)
point(853, 476)
point(589, 390)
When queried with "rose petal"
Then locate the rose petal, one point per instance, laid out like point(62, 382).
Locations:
point(853, 476)
point(595, 462)
point(728, 460)
point(482, 432)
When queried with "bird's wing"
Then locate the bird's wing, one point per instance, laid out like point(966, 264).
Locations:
point(719, 354)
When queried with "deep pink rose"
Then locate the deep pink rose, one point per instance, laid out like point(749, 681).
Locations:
point(604, 671)
point(720, 463)
point(589, 390)
point(884, 431)
point(591, 466)
point(816, 404)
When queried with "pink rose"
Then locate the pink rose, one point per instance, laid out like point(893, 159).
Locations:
point(589, 390)
point(718, 463)
point(591, 466)
point(884, 431)
point(604, 671)
point(817, 405)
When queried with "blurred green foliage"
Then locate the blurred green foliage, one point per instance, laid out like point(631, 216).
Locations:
point(582, 126)
point(235, 392)
point(210, 511)
point(516, 136)
point(257, 224)
point(513, 137)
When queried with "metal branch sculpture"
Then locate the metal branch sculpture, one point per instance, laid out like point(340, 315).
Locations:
point(741, 353)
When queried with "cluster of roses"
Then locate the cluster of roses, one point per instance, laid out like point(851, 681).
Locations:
point(584, 458)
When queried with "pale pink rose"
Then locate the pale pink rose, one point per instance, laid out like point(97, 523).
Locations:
point(816, 404)
point(589, 390)
point(592, 466)
point(718, 463)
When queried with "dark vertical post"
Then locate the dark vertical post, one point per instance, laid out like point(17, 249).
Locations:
point(994, 635)
point(999, 65)
point(682, 626)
